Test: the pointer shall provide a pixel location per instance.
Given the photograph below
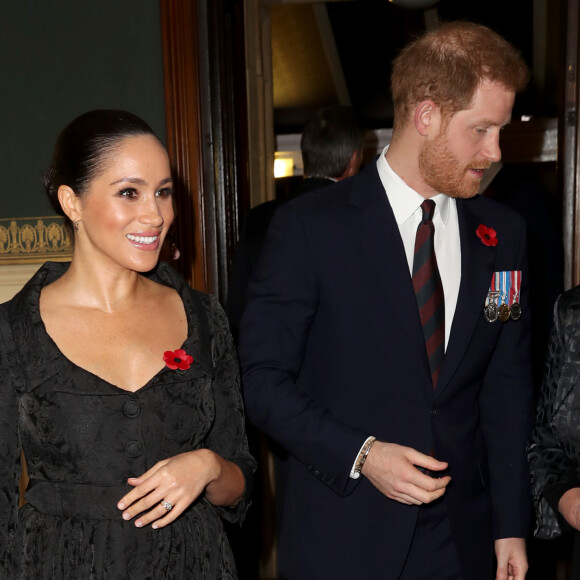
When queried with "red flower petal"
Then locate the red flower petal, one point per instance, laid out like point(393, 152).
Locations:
point(168, 359)
point(488, 236)
point(177, 359)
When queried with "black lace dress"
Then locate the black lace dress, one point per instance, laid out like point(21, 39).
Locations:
point(554, 447)
point(83, 437)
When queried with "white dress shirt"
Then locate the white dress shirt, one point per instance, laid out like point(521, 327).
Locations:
point(406, 205)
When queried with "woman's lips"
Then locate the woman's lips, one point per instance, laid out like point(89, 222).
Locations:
point(145, 241)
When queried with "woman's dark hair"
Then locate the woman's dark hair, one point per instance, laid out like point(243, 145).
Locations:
point(85, 145)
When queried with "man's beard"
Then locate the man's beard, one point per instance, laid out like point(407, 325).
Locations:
point(441, 170)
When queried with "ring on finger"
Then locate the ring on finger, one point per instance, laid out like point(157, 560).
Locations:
point(166, 505)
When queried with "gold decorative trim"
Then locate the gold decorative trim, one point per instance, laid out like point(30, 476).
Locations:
point(34, 239)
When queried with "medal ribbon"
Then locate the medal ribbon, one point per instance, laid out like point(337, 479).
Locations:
point(516, 280)
point(505, 288)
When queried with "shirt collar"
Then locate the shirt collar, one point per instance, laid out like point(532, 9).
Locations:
point(403, 199)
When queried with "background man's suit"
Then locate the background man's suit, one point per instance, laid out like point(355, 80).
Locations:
point(332, 351)
point(250, 245)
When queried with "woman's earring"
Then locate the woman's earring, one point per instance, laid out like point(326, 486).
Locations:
point(76, 225)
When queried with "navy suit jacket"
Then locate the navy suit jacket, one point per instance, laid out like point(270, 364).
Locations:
point(332, 351)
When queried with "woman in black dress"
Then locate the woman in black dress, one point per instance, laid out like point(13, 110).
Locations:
point(118, 383)
point(554, 449)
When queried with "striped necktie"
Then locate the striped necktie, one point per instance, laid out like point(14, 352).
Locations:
point(429, 290)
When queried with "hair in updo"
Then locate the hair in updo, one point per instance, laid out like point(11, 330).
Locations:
point(84, 146)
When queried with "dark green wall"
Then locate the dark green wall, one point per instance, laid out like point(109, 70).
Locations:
point(58, 59)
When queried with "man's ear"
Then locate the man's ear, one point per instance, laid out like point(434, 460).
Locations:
point(353, 166)
point(427, 118)
point(70, 202)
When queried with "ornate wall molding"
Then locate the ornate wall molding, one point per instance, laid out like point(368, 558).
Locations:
point(34, 240)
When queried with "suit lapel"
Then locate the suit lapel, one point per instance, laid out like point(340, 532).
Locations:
point(377, 233)
point(477, 266)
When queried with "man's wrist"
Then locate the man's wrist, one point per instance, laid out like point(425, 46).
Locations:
point(357, 466)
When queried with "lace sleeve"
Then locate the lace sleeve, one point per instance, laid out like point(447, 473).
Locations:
point(9, 442)
point(549, 462)
point(228, 436)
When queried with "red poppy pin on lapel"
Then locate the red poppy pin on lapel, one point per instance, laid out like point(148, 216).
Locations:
point(177, 359)
point(487, 235)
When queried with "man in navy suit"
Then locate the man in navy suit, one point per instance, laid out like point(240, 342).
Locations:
point(405, 423)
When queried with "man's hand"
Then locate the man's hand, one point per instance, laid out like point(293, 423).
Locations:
point(392, 469)
point(569, 507)
point(512, 562)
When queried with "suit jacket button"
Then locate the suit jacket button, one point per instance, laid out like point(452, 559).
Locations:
point(433, 412)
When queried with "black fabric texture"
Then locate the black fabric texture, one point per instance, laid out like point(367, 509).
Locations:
point(82, 437)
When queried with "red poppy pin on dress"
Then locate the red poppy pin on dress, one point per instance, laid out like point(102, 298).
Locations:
point(177, 359)
point(488, 236)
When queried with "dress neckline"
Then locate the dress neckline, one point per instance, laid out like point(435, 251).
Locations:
point(49, 277)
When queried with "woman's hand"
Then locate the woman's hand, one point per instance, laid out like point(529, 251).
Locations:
point(179, 481)
point(569, 506)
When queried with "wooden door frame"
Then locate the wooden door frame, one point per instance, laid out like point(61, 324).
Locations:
point(569, 150)
point(205, 116)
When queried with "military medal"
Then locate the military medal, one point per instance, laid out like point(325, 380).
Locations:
point(502, 298)
point(491, 308)
point(504, 312)
point(491, 312)
point(504, 288)
point(516, 309)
